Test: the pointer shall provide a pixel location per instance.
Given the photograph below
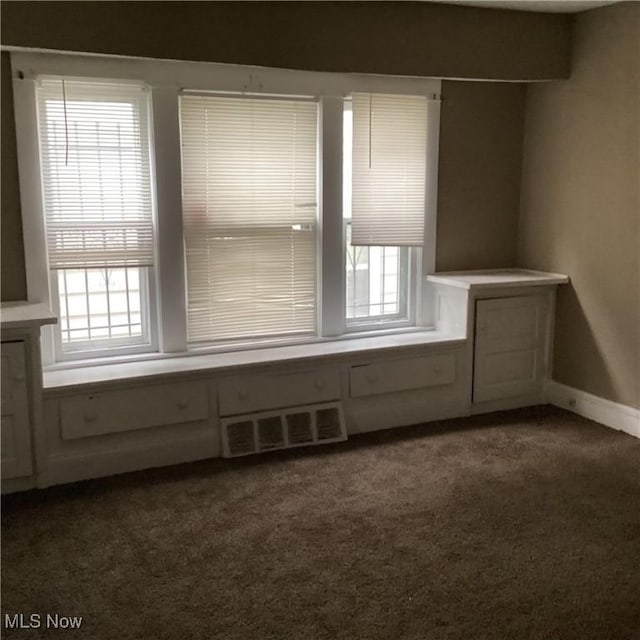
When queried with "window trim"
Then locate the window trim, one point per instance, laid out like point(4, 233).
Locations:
point(415, 258)
point(42, 275)
point(165, 80)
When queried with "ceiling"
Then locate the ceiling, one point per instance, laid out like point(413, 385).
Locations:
point(545, 6)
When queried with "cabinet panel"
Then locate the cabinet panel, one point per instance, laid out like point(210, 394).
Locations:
point(131, 409)
point(510, 339)
point(402, 375)
point(15, 426)
point(277, 390)
point(507, 367)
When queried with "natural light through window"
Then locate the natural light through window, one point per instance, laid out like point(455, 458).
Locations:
point(377, 278)
point(197, 208)
point(98, 209)
point(249, 171)
point(99, 304)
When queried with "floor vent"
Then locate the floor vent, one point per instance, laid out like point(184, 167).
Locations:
point(283, 429)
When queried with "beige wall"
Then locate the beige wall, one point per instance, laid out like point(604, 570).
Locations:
point(479, 177)
point(13, 286)
point(407, 38)
point(580, 210)
point(481, 126)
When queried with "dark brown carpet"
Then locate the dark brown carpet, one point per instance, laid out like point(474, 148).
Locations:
point(523, 524)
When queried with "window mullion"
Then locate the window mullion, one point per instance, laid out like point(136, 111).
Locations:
point(332, 236)
point(170, 247)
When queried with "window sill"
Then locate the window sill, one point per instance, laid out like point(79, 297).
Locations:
point(168, 365)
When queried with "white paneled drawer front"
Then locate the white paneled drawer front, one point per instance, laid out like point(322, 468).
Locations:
point(275, 390)
point(403, 375)
point(127, 410)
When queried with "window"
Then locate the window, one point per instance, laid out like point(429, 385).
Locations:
point(189, 207)
point(377, 277)
point(249, 172)
point(100, 306)
point(377, 283)
point(97, 204)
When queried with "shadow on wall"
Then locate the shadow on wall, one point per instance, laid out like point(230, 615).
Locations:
point(481, 127)
point(573, 331)
point(14, 285)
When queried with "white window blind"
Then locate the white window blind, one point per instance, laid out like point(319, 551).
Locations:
point(389, 169)
point(95, 168)
point(250, 212)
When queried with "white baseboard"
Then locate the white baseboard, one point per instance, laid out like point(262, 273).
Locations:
point(11, 485)
point(373, 413)
point(96, 464)
point(611, 414)
point(504, 404)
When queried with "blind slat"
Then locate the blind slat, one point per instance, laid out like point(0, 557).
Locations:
point(96, 177)
point(250, 208)
point(389, 168)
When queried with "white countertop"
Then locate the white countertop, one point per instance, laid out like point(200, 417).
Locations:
point(20, 315)
point(497, 278)
point(165, 365)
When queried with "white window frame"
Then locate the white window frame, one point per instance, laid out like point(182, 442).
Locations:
point(41, 280)
point(307, 219)
point(166, 79)
point(382, 323)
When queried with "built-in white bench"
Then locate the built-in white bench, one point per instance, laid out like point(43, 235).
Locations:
point(488, 349)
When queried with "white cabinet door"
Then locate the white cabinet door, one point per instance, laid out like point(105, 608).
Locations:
point(16, 437)
point(510, 342)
